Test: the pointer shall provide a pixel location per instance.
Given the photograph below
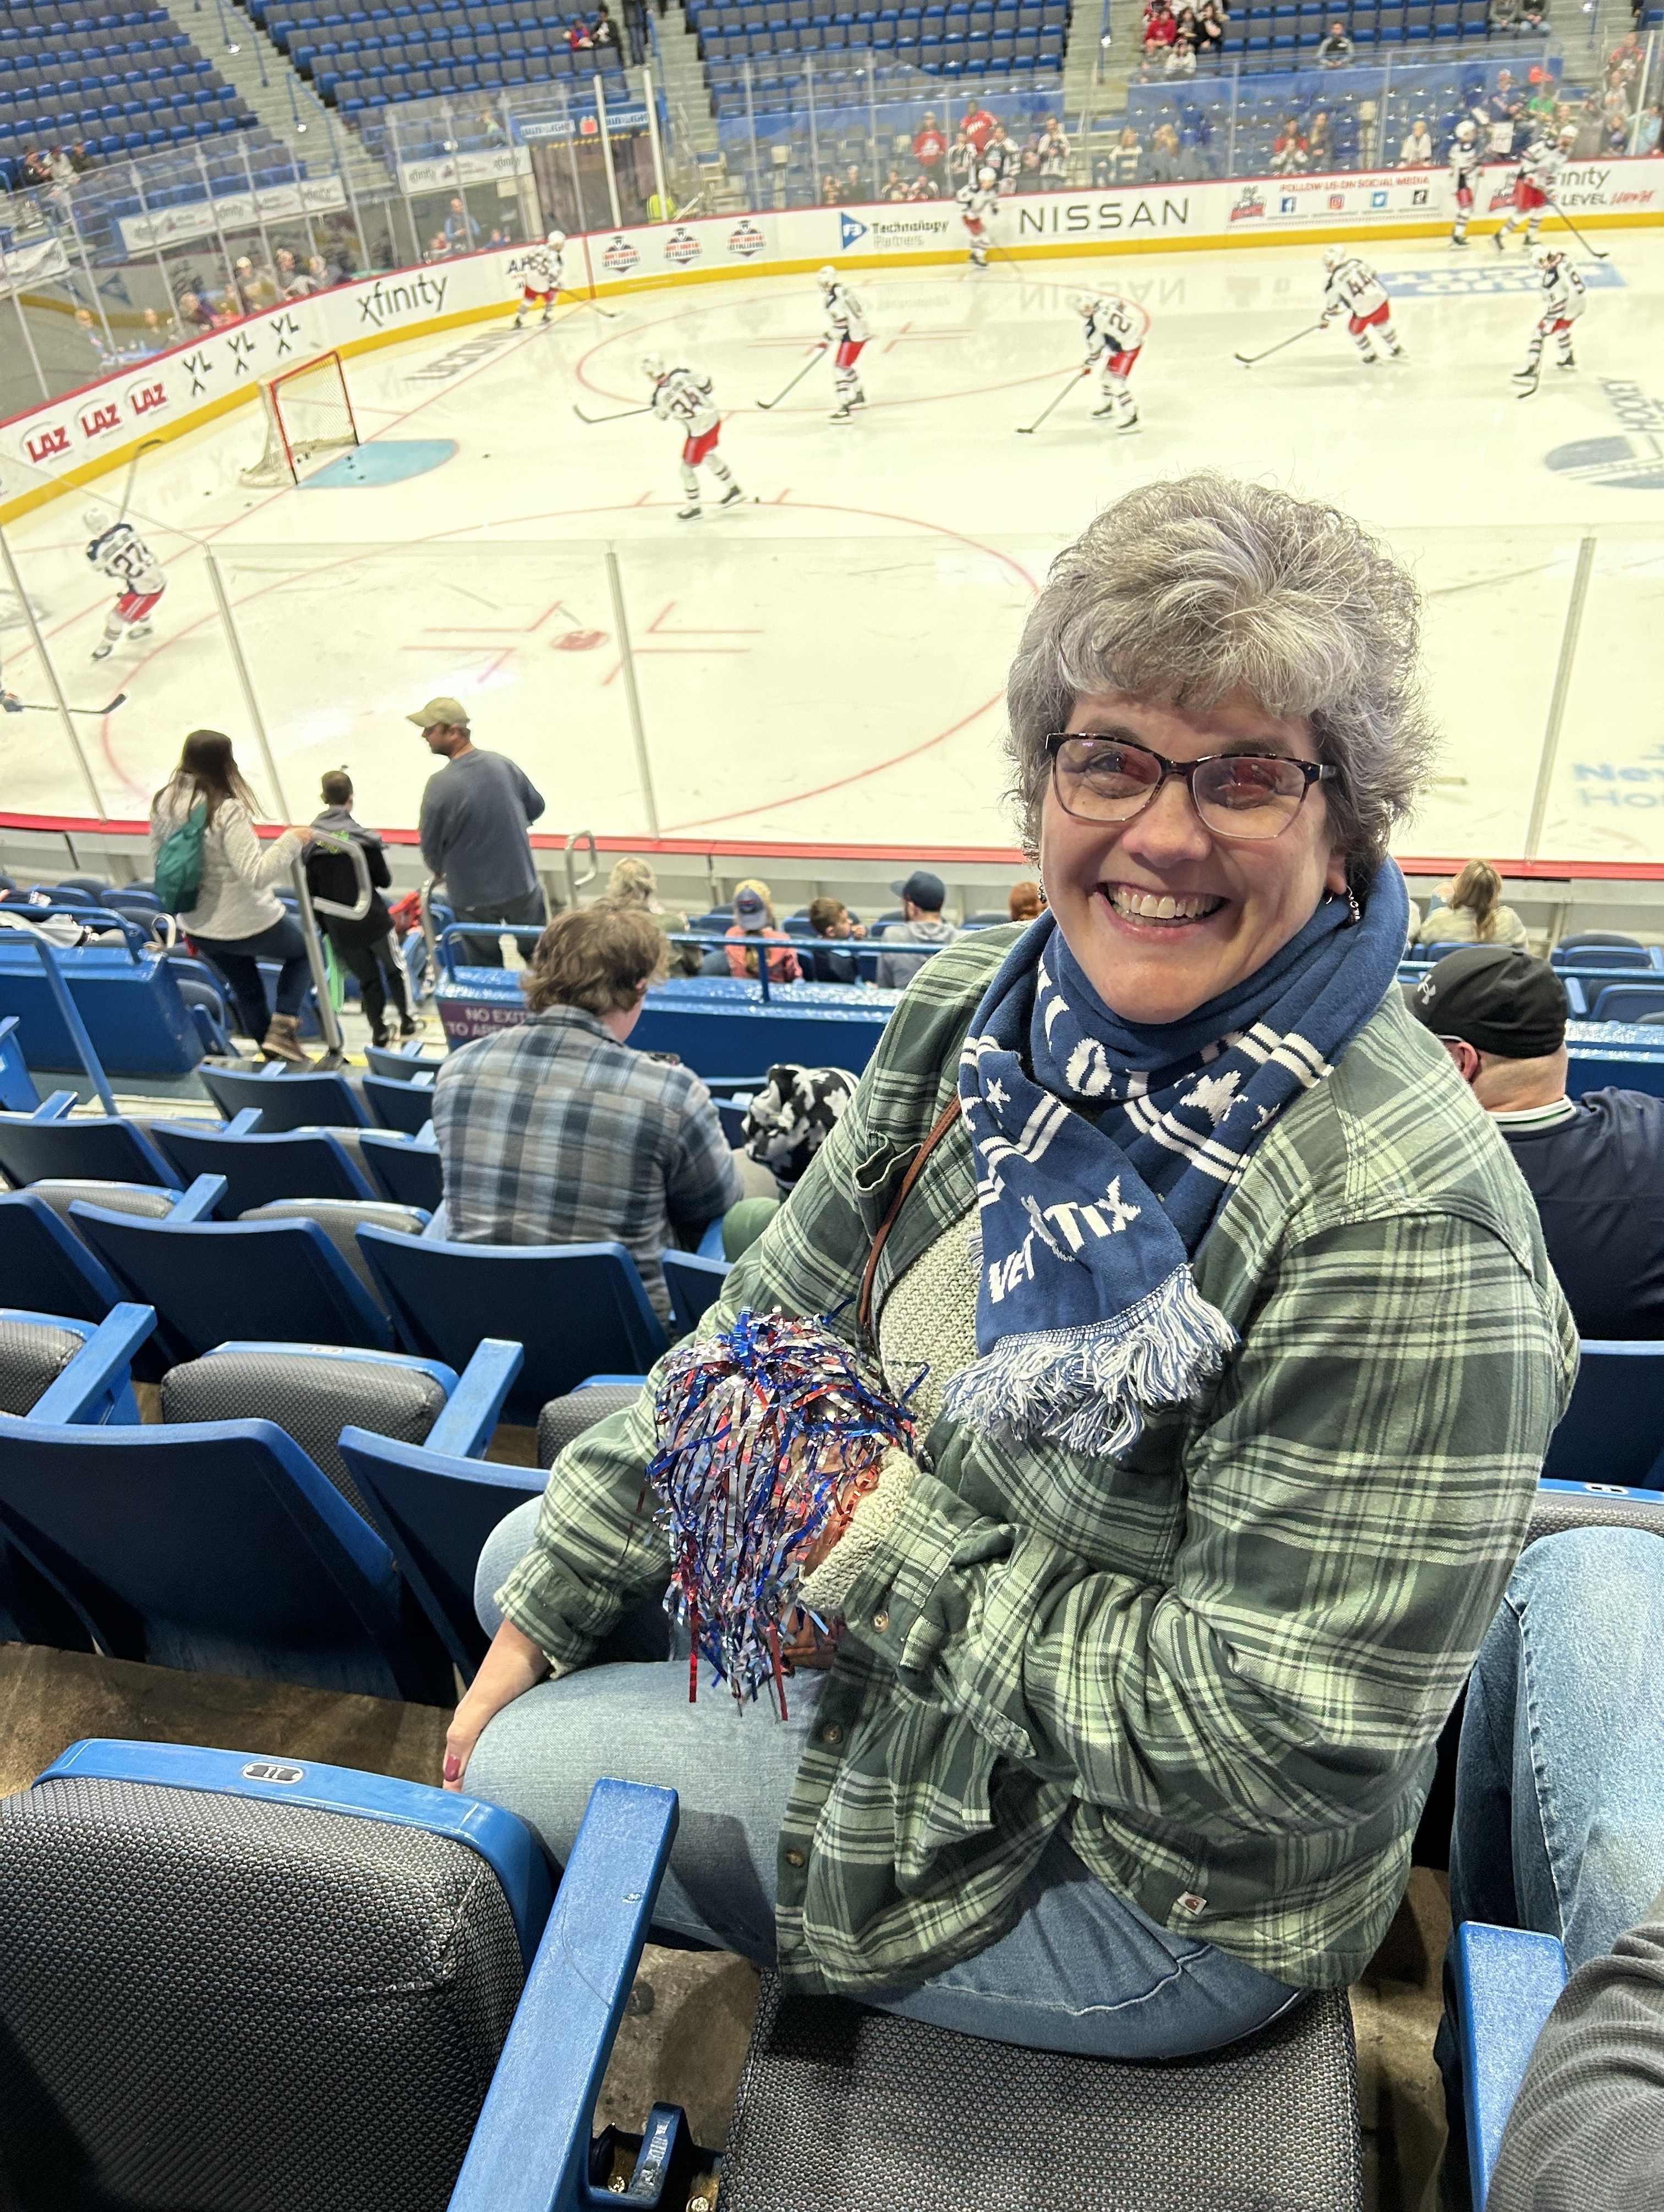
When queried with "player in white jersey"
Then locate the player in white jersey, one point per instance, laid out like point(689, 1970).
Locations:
point(1563, 301)
point(117, 550)
point(1534, 186)
point(978, 203)
point(1352, 288)
point(540, 275)
point(683, 394)
point(1466, 159)
point(846, 330)
point(1114, 330)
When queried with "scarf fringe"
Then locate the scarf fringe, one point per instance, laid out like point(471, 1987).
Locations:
point(1085, 1388)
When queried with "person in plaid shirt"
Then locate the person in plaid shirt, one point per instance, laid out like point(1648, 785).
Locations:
point(558, 1133)
point(1242, 1355)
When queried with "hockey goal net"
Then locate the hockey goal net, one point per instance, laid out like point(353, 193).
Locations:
point(308, 412)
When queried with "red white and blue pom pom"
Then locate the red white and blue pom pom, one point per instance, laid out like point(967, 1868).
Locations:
point(768, 1433)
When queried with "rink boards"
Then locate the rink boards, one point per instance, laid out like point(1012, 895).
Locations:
point(68, 442)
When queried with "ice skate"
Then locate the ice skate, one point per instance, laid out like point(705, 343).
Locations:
point(140, 629)
point(544, 317)
point(1108, 408)
point(691, 514)
point(841, 413)
point(729, 497)
point(104, 648)
point(1566, 361)
point(1125, 422)
point(857, 397)
point(520, 322)
point(1496, 240)
point(1459, 241)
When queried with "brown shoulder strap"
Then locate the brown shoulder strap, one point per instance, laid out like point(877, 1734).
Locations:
point(945, 1122)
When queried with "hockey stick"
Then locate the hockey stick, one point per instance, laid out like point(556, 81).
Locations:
point(132, 470)
point(1594, 250)
point(1248, 360)
point(610, 314)
point(623, 415)
point(766, 404)
point(14, 705)
point(1027, 429)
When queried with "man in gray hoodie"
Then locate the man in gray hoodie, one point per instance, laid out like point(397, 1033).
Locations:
point(921, 897)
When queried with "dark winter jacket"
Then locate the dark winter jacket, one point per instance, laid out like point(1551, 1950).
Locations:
point(330, 874)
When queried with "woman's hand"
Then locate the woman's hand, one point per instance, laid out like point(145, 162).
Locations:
point(512, 1666)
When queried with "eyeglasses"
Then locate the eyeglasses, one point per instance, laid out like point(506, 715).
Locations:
point(1238, 795)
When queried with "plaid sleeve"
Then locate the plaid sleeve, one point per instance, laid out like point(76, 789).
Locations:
point(700, 1178)
point(1353, 1506)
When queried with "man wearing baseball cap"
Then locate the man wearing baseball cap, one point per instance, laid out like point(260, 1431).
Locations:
point(1594, 1164)
point(475, 813)
point(922, 896)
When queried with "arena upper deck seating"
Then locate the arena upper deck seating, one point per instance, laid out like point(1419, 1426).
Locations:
point(368, 58)
point(114, 83)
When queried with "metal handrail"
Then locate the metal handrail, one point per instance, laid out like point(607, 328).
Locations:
point(575, 882)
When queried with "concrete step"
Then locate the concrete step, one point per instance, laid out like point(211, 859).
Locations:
point(249, 63)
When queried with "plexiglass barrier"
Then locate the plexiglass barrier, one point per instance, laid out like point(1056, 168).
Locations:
point(826, 689)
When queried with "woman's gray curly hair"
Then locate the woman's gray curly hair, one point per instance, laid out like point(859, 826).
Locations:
point(1192, 589)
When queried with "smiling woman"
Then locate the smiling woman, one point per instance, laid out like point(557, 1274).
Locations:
point(1241, 1353)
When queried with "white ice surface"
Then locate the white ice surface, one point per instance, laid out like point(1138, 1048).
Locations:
point(826, 665)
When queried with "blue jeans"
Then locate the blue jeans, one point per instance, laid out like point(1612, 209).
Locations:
point(236, 957)
point(1559, 1822)
point(1083, 1970)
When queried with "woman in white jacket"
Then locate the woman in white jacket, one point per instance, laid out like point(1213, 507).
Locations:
point(237, 920)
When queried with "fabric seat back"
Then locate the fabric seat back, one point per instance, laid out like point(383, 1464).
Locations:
point(339, 1219)
point(311, 1396)
point(240, 2005)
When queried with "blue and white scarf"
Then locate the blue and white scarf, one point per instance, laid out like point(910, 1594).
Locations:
point(1087, 1311)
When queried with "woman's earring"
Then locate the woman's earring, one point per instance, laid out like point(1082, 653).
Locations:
point(1354, 911)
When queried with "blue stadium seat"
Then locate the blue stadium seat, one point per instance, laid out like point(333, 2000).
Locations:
point(406, 1105)
point(1627, 1002)
point(1613, 1430)
point(260, 1167)
point(280, 1280)
point(50, 1268)
point(1594, 951)
point(579, 1310)
point(1507, 1981)
point(695, 1283)
point(407, 1168)
point(106, 1148)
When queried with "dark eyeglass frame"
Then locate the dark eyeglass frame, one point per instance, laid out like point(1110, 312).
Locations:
point(1311, 772)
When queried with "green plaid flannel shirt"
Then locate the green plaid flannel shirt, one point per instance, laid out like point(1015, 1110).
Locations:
point(1220, 1662)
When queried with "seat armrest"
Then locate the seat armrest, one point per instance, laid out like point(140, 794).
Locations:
point(464, 1428)
point(1507, 1981)
point(709, 1246)
point(95, 1389)
point(55, 1107)
point(245, 1123)
point(530, 2151)
point(200, 1200)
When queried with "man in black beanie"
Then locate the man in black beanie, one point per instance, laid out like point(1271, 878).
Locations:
point(1595, 1165)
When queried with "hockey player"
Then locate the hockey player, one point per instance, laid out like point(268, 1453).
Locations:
point(1352, 288)
point(1534, 186)
point(540, 275)
point(1115, 330)
point(1467, 159)
point(682, 393)
point(117, 550)
point(1563, 301)
point(846, 321)
point(978, 205)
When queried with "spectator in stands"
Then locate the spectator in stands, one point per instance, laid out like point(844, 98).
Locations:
point(80, 157)
point(1161, 163)
point(62, 168)
point(923, 896)
point(1160, 28)
point(1000, 155)
point(1559, 1828)
point(87, 329)
point(475, 816)
point(1591, 130)
point(1128, 158)
point(605, 36)
point(924, 188)
point(930, 149)
point(1319, 145)
point(1652, 127)
point(830, 192)
point(1022, 901)
point(829, 918)
point(577, 37)
point(635, 31)
point(1180, 58)
point(855, 184)
point(35, 166)
point(255, 286)
point(1209, 32)
point(152, 337)
point(895, 186)
point(1335, 49)
point(1141, 1728)
point(1594, 1164)
point(977, 124)
point(961, 161)
point(461, 231)
point(322, 274)
point(1473, 913)
point(1416, 150)
point(1029, 179)
point(556, 1133)
point(236, 919)
point(754, 914)
point(195, 312)
point(1290, 153)
point(366, 947)
point(1054, 154)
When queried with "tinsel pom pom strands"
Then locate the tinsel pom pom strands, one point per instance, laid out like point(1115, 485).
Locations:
point(769, 1435)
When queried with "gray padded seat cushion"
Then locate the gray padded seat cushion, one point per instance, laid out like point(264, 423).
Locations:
point(32, 1355)
point(239, 2006)
point(1554, 1512)
point(61, 1192)
point(310, 1399)
point(338, 1218)
point(563, 1419)
point(841, 2108)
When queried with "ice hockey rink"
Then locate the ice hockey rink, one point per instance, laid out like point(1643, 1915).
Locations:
point(826, 664)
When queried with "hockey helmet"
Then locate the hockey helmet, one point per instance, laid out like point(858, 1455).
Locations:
point(96, 519)
point(986, 179)
point(1568, 134)
point(1465, 133)
point(1083, 304)
point(557, 239)
point(827, 277)
point(653, 366)
point(1334, 256)
point(1546, 256)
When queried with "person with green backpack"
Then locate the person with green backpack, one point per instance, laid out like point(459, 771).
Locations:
point(211, 870)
